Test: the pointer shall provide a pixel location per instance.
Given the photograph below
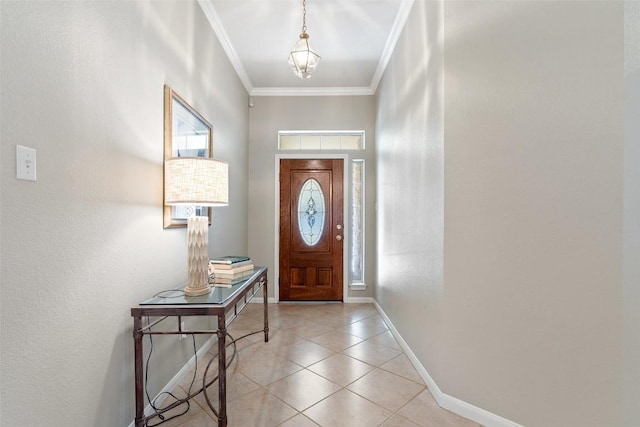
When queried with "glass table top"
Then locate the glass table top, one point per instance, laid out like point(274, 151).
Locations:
point(216, 295)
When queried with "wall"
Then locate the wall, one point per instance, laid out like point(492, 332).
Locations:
point(82, 82)
point(409, 159)
point(272, 114)
point(520, 307)
point(631, 292)
point(533, 202)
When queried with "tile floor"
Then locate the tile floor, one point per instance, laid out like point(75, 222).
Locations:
point(324, 365)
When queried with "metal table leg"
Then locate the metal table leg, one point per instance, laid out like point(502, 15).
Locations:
point(222, 371)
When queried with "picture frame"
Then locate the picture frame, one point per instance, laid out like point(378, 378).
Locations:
point(186, 134)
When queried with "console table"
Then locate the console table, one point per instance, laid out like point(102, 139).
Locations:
point(224, 303)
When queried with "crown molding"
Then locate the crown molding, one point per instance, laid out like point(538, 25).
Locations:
point(218, 29)
point(389, 47)
point(311, 91)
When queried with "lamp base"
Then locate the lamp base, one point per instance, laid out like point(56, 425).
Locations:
point(194, 292)
point(198, 256)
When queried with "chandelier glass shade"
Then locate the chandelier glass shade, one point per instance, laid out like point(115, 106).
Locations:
point(303, 59)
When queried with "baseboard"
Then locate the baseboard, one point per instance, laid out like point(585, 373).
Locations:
point(348, 300)
point(260, 300)
point(445, 401)
point(177, 378)
point(359, 300)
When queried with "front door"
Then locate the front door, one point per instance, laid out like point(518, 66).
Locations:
point(311, 229)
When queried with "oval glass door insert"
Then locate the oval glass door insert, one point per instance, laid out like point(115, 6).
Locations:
point(311, 212)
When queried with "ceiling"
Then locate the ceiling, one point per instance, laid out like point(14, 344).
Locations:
point(355, 39)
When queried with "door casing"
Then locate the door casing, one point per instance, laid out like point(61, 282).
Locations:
point(346, 234)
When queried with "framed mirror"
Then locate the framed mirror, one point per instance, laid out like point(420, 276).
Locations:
point(186, 134)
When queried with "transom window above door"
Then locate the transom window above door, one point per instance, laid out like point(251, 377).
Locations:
point(320, 140)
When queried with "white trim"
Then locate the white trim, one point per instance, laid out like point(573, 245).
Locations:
point(177, 378)
point(345, 225)
point(312, 91)
point(323, 132)
point(444, 400)
point(359, 300)
point(276, 233)
point(358, 286)
point(260, 300)
point(348, 132)
point(394, 35)
point(218, 28)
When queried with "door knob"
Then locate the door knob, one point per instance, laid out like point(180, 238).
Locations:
point(339, 227)
point(338, 237)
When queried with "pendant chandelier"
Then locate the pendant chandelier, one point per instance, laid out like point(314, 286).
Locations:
point(302, 59)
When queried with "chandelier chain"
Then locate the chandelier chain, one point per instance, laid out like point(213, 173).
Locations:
point(304, 16)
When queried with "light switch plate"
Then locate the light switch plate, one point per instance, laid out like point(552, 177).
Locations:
point(25, 163)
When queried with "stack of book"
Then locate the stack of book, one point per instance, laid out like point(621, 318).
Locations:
point(229, 270)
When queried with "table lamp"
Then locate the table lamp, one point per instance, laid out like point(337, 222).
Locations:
point(196, 181)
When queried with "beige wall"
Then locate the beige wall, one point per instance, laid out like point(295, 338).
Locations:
point(533, 203)
point(82, 82)
point(272, 114)
point(631, 293)
point(519, 309)
point(409, 159)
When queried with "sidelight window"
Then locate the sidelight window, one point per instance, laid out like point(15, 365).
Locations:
point(357, 223)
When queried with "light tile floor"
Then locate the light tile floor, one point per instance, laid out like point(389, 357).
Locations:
point(326, 365)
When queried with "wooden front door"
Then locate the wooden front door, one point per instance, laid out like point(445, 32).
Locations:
point(311, 229)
